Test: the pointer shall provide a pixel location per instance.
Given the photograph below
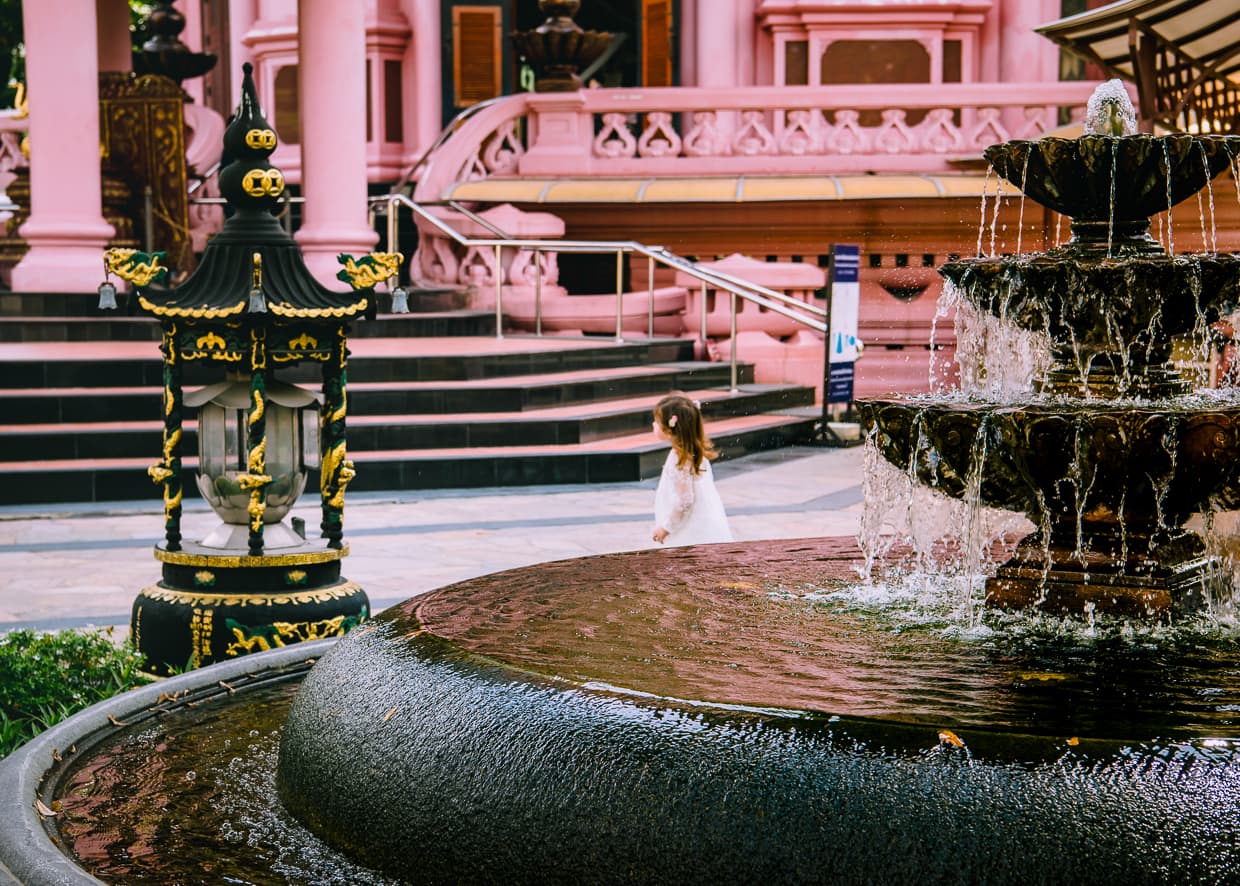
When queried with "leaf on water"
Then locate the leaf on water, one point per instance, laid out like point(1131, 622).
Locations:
point(44, 810)
point(231, 689)
point(1074, 741)
point(56, 755)
point(389, 714)
point(116, 722)
point(946, 736)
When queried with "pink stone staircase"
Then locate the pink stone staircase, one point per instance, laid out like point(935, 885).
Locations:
point(80, 416)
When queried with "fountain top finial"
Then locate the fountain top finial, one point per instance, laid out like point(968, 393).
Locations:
point(1110, 111)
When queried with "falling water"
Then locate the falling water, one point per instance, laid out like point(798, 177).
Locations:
point(942, 309)
point(950, 541)
point(1234, 164)
point(995, 358)
point(1205, 161)
point(994, 219)
point(1111, 209)
point(1020, 218)
point(1170, 220)
point(1058, 228)
point(981, 224)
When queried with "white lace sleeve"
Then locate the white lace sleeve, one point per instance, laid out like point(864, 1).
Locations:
point(680, 502)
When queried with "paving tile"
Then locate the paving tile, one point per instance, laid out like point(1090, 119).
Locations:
point(72, 564)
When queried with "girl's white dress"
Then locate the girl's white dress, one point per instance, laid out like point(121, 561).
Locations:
point(688, 506)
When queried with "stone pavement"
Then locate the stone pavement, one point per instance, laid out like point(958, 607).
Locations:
point(76, 565)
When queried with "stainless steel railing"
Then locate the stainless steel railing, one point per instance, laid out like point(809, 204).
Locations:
point(808, 315)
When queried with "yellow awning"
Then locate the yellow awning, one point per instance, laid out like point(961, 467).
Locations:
point(725, 189)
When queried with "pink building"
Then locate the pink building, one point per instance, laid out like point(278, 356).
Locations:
point(768, 128)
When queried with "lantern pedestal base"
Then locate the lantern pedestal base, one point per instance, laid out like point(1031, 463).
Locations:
point(212, 606)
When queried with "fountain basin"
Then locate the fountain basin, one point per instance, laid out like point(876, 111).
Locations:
point(1130, 307)
point(1109, 484)
point(1153, 463)
point(1105, 178)
point(712, 714)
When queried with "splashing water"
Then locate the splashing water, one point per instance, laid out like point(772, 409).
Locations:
point(1110, 111)
point(995, 357)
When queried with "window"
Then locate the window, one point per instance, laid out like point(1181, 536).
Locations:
point(477, 53)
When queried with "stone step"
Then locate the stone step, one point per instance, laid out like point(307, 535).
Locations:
point(76, 405)
point(616, 459)
point(110, 326)
point(79, 304)
point(80, 419)
point(575, 423)
point(42, 365)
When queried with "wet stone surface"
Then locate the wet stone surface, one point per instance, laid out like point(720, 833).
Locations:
point(792, 625)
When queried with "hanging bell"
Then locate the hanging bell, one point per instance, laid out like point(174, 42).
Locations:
point(400, 300)
point(107, 296)
point(258, 302)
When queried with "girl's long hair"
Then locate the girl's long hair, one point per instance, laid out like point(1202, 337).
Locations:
point(681, 418)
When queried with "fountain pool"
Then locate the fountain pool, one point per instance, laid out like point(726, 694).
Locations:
point(702, 714)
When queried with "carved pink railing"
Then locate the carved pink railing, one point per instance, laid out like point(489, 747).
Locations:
point(754, 130)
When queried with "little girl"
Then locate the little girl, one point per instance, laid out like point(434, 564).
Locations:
point(687, 507)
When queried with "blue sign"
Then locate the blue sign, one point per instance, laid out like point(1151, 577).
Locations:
point(840, 383)
point(842, 337)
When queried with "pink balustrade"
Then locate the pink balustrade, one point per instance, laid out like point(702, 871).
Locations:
point(762, 130)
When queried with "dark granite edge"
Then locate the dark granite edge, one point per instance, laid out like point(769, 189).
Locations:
point(26, 850)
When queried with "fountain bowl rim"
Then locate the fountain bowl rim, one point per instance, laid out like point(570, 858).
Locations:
point(27, 854)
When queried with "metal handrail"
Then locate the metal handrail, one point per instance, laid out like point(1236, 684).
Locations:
point(453, 125)
point(200, 180)
point(805, 314)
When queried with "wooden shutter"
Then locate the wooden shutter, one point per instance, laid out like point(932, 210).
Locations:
point(476, 53)
point(656, 42)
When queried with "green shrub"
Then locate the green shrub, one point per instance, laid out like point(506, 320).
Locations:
point(46, 677)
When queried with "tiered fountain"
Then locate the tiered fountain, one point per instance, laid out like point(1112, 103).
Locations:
point(745, 712)
point(1104, 453)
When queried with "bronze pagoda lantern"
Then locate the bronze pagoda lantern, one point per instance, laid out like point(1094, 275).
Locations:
point(252, 312)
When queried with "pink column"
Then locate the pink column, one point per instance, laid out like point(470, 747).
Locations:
point(716, 43)
point(112, 35)
point(423, 103)
point(746, 42)
point(192, 37)
point(1025, 55)
point(332, 80)
point(66, 231)
point(716, 51)
point(685, 31)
